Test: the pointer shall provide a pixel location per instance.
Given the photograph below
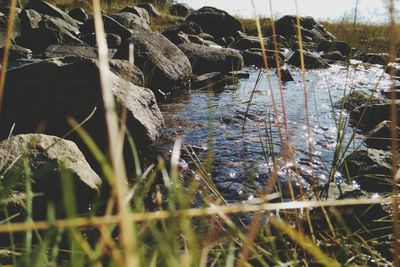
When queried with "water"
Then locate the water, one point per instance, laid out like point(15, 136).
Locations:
point(212, 122)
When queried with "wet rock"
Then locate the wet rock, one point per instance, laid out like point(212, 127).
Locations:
point(393, 70)
point(356, 99)
point(332, 46)
point(380, 136)
point(180, 10)
point(153, 12)
point(73, 50)
point(17, 52)
point(208, 59)
point(216, 22)
point(311, 61)
point(255, 57)
point(46, 92)
point(45, 8)
point(188, 28)
point(47, 158)
point(141, 12)
point(131, 21)
point(113, 40)
point(239, 74)
point(333, 56)
point(78, 14)
point(367, 116)
point(381, 59)
point(371, 169)
point(387, 94)
point(40, 31)
point(209, 81)
point(164, 65)
point(110, 26)
point(287, 27)
point(286, 76)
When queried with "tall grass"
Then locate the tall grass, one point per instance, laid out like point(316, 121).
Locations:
point(152, 221)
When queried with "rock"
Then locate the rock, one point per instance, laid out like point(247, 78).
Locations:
point(207, 59)
point(387, 94)
point(180, 10)
point(332, 46)
point(206, 36)
point(209, 81)
point(248, 42)
point(229, 41)
point(356, 99)
point(239, 74)
point(73, 50)
point(153, 12)
point(188, 28)
point(127, 71)
point(370, 168)
point(393, 70)
point(3, 29)
point(286, 76)
point(311, 61)
point(78, 14)
point(380, 136)
point(194, 39)
point(333, 56)
point(113, 40)
point(255, 57)
point(131, 21)
point(110, 26)
point(38, 31)
point(367, 116)
point(287, 27)
point(47, 157)
point(141, 12)
point(216, 22)
point(221, 41)
point(162, 63)
point(5, 10)
point(45, 8)
point(381, 59)
point(17, 52)
point(46, 92)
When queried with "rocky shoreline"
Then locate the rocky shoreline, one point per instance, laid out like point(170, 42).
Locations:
point(53, 74)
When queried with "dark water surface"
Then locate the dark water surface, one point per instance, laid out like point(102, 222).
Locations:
point(240, 167)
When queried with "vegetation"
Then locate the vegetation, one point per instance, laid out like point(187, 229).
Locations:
point(151, 220)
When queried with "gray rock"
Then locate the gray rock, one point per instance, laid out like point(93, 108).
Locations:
point(246, 42)
point(153, 12)
point(45, 8)
point(380, 136)
point(370, 168)
point(332, 46)
point(189, 28)
point(255, 57)
point(208, 59)
point(380, 59)
point(165, 67)
point(356, 99)
point(47, 157)
point(216, 22)
point(286, 76)
point(3, 29)
point(180, 10)
point(17, 52)
point(333, 56)
point(113, 40)
point(141, 12)
point(131, 21)
point(110, 26)
point(206, 36)
point(46, 92)
point(78, 14)
point(73, 50)
point(209, 81)
point(311, 61)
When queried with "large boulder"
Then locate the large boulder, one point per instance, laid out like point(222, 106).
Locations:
point(113, 40)
point(371, 169)
point(40, 31)
point(356, 99)
point(78, 14)
point(180, 10)
point(110, 26)
point(53, 51)
point(255, 57)
point(174, 34)
point(44, 160)
point(206, 59)
point(153, 12)
point(141, 12)
point(216, 22)
point(331, 46)
point(381, 136)
point(165, 67)
point(47, 92)
point(287, 26)
point(131, 21)
point(45, 8)
point(250, 42)
point(311, 61)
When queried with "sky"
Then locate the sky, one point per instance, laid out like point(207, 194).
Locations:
point(374, 11)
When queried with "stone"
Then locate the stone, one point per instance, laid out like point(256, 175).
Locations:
point(53, 51)
point(180, 10)
point(331, 46)
point(380, 136)
point(371, 169)
point(208, 59)
point(165, 67)
point(216, 22)
point(153, 12)
point(209, 81)
point(380, 59)
point(17, 52)
point(110, 26)
point(131, 21)
point(78, 14)
point(47, 158)
point(356, 99)
point(286, 76)
point(141, 12)
point(255, 57)
point(311, 61)
point(333, 56)
point(206, 36)
point(174, 34)
point(113, 40)
point(47, 92)
point(45, 8)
